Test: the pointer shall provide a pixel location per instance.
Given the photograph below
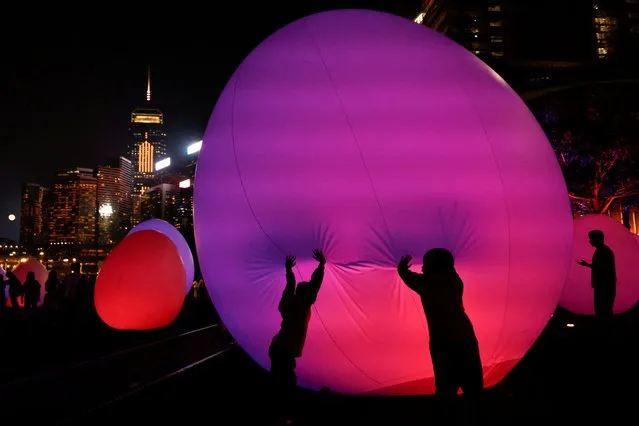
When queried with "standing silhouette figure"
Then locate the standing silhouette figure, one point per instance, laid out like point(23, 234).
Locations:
point(453, 345)
point(32, 288)
point(288, 343)
point(603, 275)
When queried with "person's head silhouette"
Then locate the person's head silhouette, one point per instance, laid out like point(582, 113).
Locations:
point(30, 276)
point(438, 261)
point(596, 238)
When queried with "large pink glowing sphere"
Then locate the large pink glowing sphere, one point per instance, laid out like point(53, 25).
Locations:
point(177, 238)
point(370, 136)
point(578, 296)
point(40, 271)
point(140, 284)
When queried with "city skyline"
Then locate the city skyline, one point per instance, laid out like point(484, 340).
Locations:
point(70, 95)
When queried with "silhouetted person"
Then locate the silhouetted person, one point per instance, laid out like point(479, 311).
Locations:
point(52, 283)
point(453, 345)
point(51, 288)
point(288, 343)
point(70, 283)
point(603, 275)
point(15, 289)
point(70, 290)
point(4, 282)
point(84, 297)
point(31, 291)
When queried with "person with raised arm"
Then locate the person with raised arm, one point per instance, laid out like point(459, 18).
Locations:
point(288, 344)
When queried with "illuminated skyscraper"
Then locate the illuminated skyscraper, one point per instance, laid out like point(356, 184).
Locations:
point(114, 182)
point(616, 29)
point(108, 193)
point(31, 217)
point(148, 141)
point(160, 202)
point(125, 205)
point(74, 208)
point(481, 26)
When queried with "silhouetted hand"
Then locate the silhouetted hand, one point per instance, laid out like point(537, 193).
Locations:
point(319, 256)
point(290, 262)
point(583, 262)
point(405, 262)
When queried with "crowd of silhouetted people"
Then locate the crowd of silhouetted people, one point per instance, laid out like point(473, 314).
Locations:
point(70, 295)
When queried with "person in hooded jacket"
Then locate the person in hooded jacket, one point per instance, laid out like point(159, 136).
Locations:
point(454, 348)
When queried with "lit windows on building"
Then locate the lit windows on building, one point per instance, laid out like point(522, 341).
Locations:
point(605, 28)
point(74, 207)
point(146, 118)
point(32, 218)
point(145, 157)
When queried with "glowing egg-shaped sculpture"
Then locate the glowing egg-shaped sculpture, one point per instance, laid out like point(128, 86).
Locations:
point(368, 136)
point(578, 295)
point(40, 271)
point(178, 239)
point(140, 285)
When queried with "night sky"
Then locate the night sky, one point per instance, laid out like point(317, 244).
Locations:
point(70, 78)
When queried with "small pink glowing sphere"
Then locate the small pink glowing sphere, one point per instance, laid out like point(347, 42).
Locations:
point(40, 271)
point(178, 239)
point(578, 295)
point(140, 284)
point(371, 137)
point(5, 289)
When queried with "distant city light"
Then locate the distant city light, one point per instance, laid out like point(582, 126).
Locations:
point(162, 164)
point(570, 325)
point(12, 217)
point(194, 147)
point(185, 183)
point(420, 18)
point(105, 210)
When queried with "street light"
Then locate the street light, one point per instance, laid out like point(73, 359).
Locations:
point(12, 217)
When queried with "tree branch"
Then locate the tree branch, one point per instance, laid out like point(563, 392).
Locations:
point(575, 197)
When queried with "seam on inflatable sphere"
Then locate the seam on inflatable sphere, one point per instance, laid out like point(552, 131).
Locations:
point(237, 164)
point(507, 205)
point(328, 74)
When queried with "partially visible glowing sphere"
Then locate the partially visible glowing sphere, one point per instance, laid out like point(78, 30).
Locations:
point(371, 137)
point(12, 217)
point(174, 235)
point(140, 284)
point(4, 289)
point(578, 296)
point(40, 271)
